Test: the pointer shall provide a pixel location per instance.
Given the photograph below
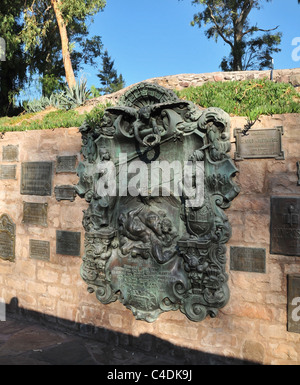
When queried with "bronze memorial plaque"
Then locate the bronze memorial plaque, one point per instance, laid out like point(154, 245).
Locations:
point(65, 193)
point(252, 260)
point(39, 249)
point(157, 176)
point(66, 164)
point(264, 143)
point(8, 171)
point(10, 153)
point(7, 238)
point(36, 178)
point(68, 243)
point(35, 214)
point(293, 294)
point(285, 225)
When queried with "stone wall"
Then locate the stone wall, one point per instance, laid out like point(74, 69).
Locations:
point(50, 287)
point(253, 326)
point(179, 82)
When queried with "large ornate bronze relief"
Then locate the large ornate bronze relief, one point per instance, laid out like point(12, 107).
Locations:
point(157, 177)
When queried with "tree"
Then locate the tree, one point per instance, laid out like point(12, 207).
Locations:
point(13, 69)
point(108, 76)
point(66, 14)
point(229, 20)
point(46, 54)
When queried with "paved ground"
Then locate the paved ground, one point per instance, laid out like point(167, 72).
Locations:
point(30, 343)
point(24, 343)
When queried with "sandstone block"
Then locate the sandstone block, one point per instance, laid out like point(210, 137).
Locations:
point(253, 351)
point(171, 329)
point(47, 275)
point(257, 229)
point(295, 80)
point(115, 320)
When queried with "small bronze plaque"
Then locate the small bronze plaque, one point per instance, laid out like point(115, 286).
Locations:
point(265, 143)
point(65, 193)
point(8, 171)
point(293, 294)
point(248, 259)
point(298, 173)
point(35, 214)
point(7, 238)
point(39, 249)
point(68, 243)
point(285, 225)
point(36, 178)
point(66, 164)
point(10, 153)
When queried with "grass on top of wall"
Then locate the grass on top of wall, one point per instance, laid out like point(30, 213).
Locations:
point(249, 98)
point(42, 121)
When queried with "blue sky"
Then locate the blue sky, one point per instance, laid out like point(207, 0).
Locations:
point(152, 38)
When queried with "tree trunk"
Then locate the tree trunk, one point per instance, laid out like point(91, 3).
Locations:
point(237, 53)
point(237, 50)
point(70, 77)
point(239, 21)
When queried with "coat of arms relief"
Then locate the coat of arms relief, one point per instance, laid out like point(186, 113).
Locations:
point(157, 176)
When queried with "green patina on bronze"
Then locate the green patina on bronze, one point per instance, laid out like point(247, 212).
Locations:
point(155, 253)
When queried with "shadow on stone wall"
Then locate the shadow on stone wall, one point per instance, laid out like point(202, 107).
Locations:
point(145, 343)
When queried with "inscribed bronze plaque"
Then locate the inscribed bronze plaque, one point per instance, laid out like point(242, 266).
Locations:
point(39, 249)
point(8, 171)
point(248, 259)
point(265, 143)
point(285, 225)
point(146, 243)
point(293, 294)
point(7, 238)
point(10, 153)
point(66, 164)
point(36, 178)
point(65, 193)
point(35, 214)
point(68, 243)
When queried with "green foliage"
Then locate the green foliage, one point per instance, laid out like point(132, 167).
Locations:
point(229, 20)
point(37, 105)
point(73, 97)
point(246, 98)
point(51, 120)
point(12, 71)
point(80, 9)
point(50, 84)
point(108, 76)
point(95, 93)
point(94, 117)
point(42, 41)
point(67, 99)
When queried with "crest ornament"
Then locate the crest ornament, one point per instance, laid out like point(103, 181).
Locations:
point(149, 242)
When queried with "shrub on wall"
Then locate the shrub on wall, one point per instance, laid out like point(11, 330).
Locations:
point(250, 98)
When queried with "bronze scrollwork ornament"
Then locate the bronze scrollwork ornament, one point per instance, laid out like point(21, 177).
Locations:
point(150, 248)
